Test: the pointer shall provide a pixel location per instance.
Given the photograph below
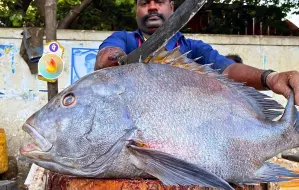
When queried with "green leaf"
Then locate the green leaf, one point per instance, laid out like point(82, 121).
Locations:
point(16, 19)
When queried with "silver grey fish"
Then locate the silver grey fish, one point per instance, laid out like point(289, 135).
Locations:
point(184, 126)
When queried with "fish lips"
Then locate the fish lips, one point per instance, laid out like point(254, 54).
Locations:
point(41, 145)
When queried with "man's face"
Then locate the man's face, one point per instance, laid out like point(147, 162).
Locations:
point(151, 14)
point(89, 64)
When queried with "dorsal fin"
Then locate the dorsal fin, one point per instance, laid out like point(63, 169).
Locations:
point(177, 59)
point(163, 56)
point(263, 104)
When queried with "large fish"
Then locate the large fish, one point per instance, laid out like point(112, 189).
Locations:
point(185, 125)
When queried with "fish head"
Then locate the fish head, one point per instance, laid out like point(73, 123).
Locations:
point(79, 126)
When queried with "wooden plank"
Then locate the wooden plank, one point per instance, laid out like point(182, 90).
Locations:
point(58, 181)
point(293, 185)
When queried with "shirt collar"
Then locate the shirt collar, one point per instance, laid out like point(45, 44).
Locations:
point(138, 33)
point(171, 43)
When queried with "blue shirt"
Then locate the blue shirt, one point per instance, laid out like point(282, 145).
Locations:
point(128, 42)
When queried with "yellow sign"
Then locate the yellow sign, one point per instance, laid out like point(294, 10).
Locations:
point(51, 65)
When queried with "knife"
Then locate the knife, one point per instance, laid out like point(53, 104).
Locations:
point(161, 36)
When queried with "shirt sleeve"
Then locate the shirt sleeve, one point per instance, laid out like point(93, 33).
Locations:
point(209, 55)
point(117, 39)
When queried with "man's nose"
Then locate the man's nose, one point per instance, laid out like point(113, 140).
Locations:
point(152, 6)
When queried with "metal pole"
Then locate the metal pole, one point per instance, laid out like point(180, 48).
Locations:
point(50, 28)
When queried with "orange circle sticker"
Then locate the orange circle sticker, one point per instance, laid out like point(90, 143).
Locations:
point(50, 66)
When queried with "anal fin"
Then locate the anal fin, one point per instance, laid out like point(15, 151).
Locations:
point(174, 171)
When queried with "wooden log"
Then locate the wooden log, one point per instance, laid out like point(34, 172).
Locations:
point(60, 182)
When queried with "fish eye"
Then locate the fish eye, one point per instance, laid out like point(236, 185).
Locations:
point(69, 99)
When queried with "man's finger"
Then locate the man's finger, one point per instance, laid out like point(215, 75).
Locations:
point(278, 83)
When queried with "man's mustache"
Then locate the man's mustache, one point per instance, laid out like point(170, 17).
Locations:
point(146, 17)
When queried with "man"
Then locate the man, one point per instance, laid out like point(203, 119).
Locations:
point(150, 15)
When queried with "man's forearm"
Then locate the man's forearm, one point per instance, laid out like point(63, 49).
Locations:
point(243, 73)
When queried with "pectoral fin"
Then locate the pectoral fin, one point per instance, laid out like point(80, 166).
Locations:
point(174, 171)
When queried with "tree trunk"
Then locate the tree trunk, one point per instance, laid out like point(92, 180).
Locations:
point(50, 28)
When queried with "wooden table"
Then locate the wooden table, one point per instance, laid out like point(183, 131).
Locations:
point(59, 182)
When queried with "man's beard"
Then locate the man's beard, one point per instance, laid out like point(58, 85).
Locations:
point(149, 25)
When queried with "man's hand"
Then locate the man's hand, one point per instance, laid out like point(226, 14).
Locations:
point(108, 57)
point(281, 83)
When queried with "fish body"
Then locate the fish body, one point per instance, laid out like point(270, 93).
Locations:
point(156, 120)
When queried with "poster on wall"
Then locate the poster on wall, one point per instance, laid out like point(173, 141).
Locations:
point(82, 63)
point(7, 55)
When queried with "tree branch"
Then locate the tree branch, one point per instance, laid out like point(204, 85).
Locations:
point(73, 14)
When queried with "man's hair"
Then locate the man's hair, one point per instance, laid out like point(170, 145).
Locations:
point(235, 57)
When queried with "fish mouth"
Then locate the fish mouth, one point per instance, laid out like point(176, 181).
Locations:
point(41, 145)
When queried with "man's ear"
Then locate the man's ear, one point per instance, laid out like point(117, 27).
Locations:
point(172, 5)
